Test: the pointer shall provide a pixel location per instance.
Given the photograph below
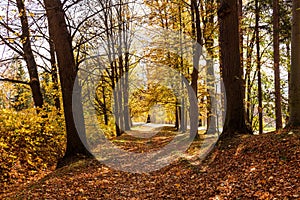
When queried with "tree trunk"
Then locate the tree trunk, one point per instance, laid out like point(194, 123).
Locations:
point(248, 81)
point(260, 106)
point(294, 95)
point(104, 104)
point(116, 109)
point(126, 93)
point(212, 103)
point(54, 75)
point(177, 115)
point(73, 110)
point(211, 89)
point(197, 48)
point(223, 102)
point(120, 83)
point(240, 7)
point(183, 125)
point(126, 39)
point(194, 113)
point(276, 64)
point(288, 54)
point(29, 58)
point(231, 69)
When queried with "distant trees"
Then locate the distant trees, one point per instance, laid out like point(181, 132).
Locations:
point(114, 19)
point(208, 17)
point(184, 18)
point(20, 42)
point(261, 58)
point(174, 16)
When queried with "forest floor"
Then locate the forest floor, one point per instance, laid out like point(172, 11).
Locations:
point(246, 167)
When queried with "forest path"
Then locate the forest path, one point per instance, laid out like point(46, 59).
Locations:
point(246, 167)
point(149, 147)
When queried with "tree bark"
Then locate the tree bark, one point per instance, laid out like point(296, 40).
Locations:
point(211, 89)
point(29, 57)
point(73, 110)
point(126, 93)
point(260, 106)
point(248, 81)
point(194, 113)
point(276, 64)
point(121, 82)
point(231, 69)
point(177, 114)
point(288, 54)
point(126, 39)
point(294, 95)
point(105, 113)
point(54, 75)
point(240, 7)
point(212, 103)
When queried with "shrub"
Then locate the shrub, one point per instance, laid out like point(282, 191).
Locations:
point(29, 142)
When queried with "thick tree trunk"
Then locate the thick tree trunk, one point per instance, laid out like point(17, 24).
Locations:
point(29, 58)
point(232, 71)
point(276, 64)
point(294, 95)
point(240, 7)
point(73, 109)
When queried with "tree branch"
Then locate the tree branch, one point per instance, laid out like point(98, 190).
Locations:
point(14, 81)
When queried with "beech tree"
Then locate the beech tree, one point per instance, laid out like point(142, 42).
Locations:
point(67, 71)
point(294, 85)
point(231, 69)
point(276, 64)
point(29, 58)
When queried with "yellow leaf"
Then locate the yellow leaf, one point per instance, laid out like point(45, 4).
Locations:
point(17, 34)
point(10, 40)
point(3, 145)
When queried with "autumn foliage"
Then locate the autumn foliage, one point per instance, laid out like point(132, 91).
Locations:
point(246, 167)
point(29, 142)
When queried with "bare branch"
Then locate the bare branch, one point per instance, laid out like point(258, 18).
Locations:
point(14, 81)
